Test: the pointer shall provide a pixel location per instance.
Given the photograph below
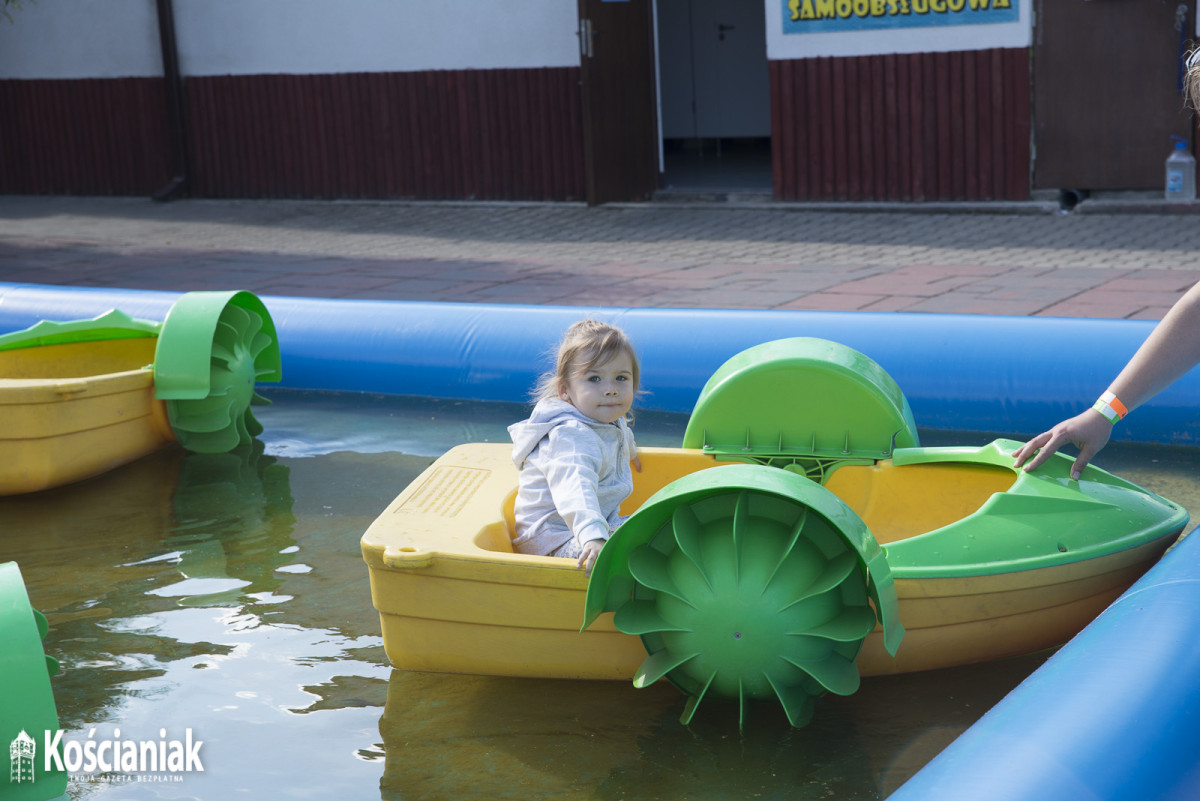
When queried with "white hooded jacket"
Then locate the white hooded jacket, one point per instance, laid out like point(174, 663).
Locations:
point(574, 474)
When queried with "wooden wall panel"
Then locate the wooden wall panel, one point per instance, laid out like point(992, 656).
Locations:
point(83, 137)
point(478, 134)
point(935, 126)
point(929, 126)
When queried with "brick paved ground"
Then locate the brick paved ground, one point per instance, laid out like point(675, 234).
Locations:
point(1019, 260)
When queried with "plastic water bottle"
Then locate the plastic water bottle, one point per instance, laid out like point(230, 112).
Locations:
point(1181, 173)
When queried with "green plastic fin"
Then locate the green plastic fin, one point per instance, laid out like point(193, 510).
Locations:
point(852, 623)
point(789, 546)
point(642, 617)
point(693, 703)
point(837, 571)
point(887, 604)
point(686, 529)
point(649, 568)
point(835, 673)
point(657, 665)
point(113, 324)
point(797, 704)
point(738, 533)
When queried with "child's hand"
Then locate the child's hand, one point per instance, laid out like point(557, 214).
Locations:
point(636, 461)
point(591, 549)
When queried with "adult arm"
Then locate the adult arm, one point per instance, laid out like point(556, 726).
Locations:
point(1172, 349)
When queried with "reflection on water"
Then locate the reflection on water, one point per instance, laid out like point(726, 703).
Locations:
point(446, 736)
point(227, 594)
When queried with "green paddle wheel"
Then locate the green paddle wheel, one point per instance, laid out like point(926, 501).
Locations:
point(213, 349)
point(751, 582)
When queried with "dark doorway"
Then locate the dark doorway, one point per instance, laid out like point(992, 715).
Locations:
point(1106, 92)
point(715, 90)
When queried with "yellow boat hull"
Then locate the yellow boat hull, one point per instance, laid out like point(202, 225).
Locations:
point(453, 597)
point(72, 411)
point(81, 397)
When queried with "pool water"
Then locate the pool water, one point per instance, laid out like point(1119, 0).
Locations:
point(227, 595)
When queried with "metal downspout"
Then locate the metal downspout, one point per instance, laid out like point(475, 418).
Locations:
point(176, 117)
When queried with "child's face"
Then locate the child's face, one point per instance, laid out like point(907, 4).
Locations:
point(604, 392)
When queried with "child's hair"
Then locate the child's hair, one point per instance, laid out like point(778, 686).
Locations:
point(1191, 80)
point(587, 344)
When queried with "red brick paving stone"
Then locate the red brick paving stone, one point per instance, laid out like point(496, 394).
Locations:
point(400, 267)
point(528, 291)
point(337, 284)
point(199, 279)
point(893, 303)
point(1069, 308)
point(1065, 278)
point(422, 287)
point(296, 291)
point(617, 299)
point(974, 304)
point(1134, 300)
point(835, 301)
point(1035, 298)
point(935, 270)
point(684, 282)
point(643, 269)
point(736, 299)
point(1152, 313)
point(920, 281)
point(1153, 281)
point(711, 272)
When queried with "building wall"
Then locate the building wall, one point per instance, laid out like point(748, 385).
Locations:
point(902, 127)
point(462, 99)
point(929, 110)
point(363, 98)
point(507, 134)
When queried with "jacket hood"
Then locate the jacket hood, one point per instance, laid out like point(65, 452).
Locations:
point(546, 415)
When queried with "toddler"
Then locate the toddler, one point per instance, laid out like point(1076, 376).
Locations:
point(574, 451)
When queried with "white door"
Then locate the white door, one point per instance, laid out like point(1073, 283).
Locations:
point(713, 68)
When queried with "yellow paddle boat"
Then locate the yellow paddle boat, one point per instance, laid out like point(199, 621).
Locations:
point(800, 538)
point(81, 397)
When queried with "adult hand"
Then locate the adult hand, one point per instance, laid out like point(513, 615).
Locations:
point(1089, 432)
point(591, 549)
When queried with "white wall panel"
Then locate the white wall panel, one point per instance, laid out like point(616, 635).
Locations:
point(119, 38)
point(80, 39)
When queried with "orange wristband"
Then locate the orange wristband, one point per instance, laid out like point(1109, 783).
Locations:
point(1111, 407)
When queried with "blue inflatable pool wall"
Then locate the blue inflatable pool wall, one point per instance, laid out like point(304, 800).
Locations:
point(1005, 375)
point(1113, 716)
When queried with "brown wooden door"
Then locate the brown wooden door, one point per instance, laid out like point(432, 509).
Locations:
point(619, 108)
point(1106, 92)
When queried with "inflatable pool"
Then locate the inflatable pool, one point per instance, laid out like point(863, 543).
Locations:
point(1014, 376)
point(974, 373)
